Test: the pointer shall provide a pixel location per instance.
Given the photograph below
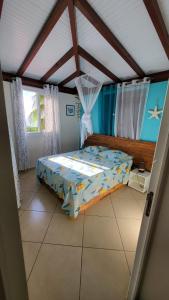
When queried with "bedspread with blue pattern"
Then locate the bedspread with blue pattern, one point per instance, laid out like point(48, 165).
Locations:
point(79, 176)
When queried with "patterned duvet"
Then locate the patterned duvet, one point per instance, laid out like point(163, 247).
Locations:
point(79, 176)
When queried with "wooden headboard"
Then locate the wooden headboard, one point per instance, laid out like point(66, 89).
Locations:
point(140, 150)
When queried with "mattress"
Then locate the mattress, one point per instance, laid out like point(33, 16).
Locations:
point(79, 176)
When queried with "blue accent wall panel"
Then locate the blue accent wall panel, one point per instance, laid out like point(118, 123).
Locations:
point(103, 112)
point(102, 118)
point(156, 96)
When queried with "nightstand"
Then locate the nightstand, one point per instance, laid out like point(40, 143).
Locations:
point(139, 181)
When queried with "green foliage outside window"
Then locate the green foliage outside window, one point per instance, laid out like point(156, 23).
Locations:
point(36, 118)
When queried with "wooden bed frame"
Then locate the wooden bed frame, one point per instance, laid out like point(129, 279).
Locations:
point(100, 197)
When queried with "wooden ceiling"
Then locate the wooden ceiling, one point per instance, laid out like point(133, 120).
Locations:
point(76, 50)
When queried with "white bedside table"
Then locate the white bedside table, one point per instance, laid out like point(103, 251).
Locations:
point(139, 181)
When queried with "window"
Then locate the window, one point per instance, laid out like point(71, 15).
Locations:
point(34, 111)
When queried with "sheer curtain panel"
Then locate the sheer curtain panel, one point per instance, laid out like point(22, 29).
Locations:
point(130, 103)
point(88, 90)
point(52, 135)
point(19, 124)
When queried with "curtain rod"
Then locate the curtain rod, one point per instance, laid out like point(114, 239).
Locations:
point(135, 81)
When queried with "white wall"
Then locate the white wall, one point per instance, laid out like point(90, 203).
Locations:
point(69, 127)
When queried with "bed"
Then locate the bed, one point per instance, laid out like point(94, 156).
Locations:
point(81, 178)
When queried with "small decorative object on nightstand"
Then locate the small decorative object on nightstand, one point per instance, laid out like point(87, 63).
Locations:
point(139, 181)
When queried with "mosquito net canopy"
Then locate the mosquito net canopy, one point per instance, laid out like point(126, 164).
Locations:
point(88, 90)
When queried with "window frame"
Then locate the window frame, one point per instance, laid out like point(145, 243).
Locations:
point(39, 92)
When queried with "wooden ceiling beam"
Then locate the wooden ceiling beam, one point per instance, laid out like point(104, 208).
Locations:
point(37, 83)
point(58, 64)
point(1, 5)
point(97, 22)
point(158, 22)
point(97, 64)
point(154, 77)
point(46, 29)
point(160, 76)
point(74, 33)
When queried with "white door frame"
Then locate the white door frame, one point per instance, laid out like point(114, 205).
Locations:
point(156, 185)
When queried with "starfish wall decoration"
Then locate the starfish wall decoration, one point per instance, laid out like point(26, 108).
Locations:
point(155, 113)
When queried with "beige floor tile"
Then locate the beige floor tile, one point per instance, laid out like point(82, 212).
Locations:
point(127, 207)
point(121, 192)
point(101, 232)
point(56, 274)
point(29, 185)
point(26, 174)
point(34, 225)
point(129, 230)
point(26, 198)
point(105, 275)
point(130, 258)
point(29, 182)
point(141, 203)
point(63, 230)
point(138, 195)
point(30, 251)
point(102, 208)
point(43, 200)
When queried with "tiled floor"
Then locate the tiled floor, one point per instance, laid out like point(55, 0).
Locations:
point(87, 259)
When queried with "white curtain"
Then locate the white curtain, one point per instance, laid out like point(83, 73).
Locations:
point(88, 90)
point(130, 103)
point(15, 172)
point(19, 124)
point(52, 134)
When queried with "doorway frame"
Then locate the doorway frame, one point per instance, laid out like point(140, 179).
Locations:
point(146, 230)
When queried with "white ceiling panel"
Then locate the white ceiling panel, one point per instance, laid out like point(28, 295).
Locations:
point(87, 68)
point(56, 45)
point(131, 24)
point(71, 84)
point(67, 69)
point(21, 22)
point(93, 42)
point(164, 7)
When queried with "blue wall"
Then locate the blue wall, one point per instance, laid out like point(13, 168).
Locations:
point(150, 127)
point(103, 113)
point(156, 96)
